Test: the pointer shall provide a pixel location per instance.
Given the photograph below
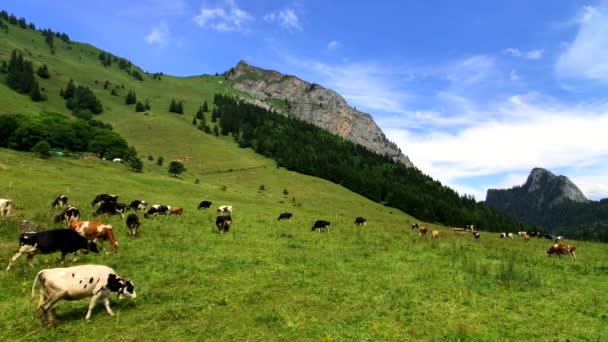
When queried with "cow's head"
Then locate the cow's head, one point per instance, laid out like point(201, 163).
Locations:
point(122, 287)
point(91, 247)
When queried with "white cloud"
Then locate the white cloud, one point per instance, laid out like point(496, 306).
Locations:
point(333, 45)
point(514, 76)
point(160, 35)
point(471, 71)
point(532, 54)
point(286, 18)
point(229, 18)
point(586, 57)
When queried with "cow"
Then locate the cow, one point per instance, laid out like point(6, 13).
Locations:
point(560, 249)
point(71, 213)
point(548, 237)
point(158, 209)
point(223, 223)
point(95, 230)
point(321, 224)
point(360, 221)
point(204, 205)
point(459, 230)
point(415, 226)
point(50, 241)
point(133, 224)
point(285, 216)
point(469, 227)
point(60, 201)
point(111, 208)
point(138, 205)
point(77, 282)
point(104, 198)
point(559, 239)
point(435, 234)
point(5, 207)
point(476, 235)
point(224, 210)
point(176, 211)
point(522, 234)
point(533, 234)
point(422, 231)
point(526, 238)
point(506, 235)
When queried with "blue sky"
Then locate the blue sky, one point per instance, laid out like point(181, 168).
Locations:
point(476, 93)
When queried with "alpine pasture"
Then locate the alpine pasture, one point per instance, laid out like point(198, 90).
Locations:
point(380, 281)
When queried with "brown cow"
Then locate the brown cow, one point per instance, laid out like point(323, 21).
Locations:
point(435, 234)
point(422, 231)
point(526, 237)
point(94, 230)
point(560, 249)
point(176, 211)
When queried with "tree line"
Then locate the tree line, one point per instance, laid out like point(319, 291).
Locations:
point(305, 148)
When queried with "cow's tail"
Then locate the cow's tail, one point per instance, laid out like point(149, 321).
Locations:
point(35, 282)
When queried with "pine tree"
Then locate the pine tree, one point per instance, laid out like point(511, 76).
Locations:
point(199, 113)
point(205, 107)
point(180, 108)
point(69, 90)
point(139, 107)
point(173, 106)
point(36, 95)
point(147, 104)
point(194, 122)
point(131, 98)
point(43, 72)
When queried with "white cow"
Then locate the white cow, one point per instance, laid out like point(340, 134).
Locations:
point(5, 207)
point(70, 283)
point(225, 209)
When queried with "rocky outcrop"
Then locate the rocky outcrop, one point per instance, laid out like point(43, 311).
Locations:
point(314, 104)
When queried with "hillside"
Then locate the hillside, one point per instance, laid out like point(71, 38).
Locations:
point(553, 202)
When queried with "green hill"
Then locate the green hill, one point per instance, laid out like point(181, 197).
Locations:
point(378, 282)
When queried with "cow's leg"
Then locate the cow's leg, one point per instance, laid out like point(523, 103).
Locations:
point(15, 257)
point(48, 304)
point(30, 258)
point(92, 304)
point(25, 249)
point(106, 303)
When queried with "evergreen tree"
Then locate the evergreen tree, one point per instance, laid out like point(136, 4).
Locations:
point(194, 122)
point(180, 108)
point(139, 107)
point(147, 104)
point(160, 161)
point(43, 72)
point(36, 95)
point(172, 106)
point(113, 92)
point(216, 131)
point(199, 113)
point(205, 107)
point(69, 90)
point(214, 114)
point(131, 98)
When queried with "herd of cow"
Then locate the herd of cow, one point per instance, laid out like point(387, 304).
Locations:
point(98, 282)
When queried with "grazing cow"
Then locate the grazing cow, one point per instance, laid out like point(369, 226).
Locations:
point(176, 211)
point(321, 224)
point(60, 201)
point(506, 235)
point(77, 282)
point(223, 223)
point(204, 205)
point(5, 207)
point(469, 227)
point(138, 205)
point(111, 208)
point(435, 234)
point(560, 249)
point(548, 237)
point(415, 226)
point(224, 210)
point(95, 230)
point(559, 239)
point(522, 234)
point(422, 231)
point(360, 220)
point(104, 198)
point(133, 224)
point(476, 235)
point(285, 216)
point(71, 213)
point(158, 209)
point(526, 237)
point(50, 241)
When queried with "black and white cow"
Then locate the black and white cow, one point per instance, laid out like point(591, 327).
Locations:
point(548, 237)
point(104, 198)
point(559, 238)
point(476, 235)
point(138, 205)
point(360, 221)
point(204, 205)
point(133, 224)
point(158, 209)
point(111, 208)
point(223, 223)
point(415, 226)
point(60, 201)
point(224, 210)
point(71, 213)
point(506, 235)
point(77, 282)
point(321, 224)
point(50, 241)
point(285, 216)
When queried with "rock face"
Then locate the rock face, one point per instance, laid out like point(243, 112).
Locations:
point(314, 104)
point(541, 191)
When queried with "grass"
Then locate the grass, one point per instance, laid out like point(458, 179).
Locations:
point(378, 282)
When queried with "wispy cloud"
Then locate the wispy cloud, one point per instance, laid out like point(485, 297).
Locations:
point(286, 18)
point(532, 54)
point(334, 44)
point(229, 18)
point(586, 57)
point(160, 35)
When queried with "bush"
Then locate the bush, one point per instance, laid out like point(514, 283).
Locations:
point(42, 149)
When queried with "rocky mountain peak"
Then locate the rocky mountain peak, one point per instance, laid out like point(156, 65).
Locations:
point(541, 180)
point(315, 104)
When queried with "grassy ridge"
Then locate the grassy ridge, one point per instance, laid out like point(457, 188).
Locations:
point(380, 282)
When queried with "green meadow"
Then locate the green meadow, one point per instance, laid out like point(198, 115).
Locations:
point(377, 282)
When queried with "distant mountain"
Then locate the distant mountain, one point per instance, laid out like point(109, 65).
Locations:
point(315, 104)
point(555, 203)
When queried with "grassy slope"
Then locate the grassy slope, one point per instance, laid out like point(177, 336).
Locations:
point(379, 282)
